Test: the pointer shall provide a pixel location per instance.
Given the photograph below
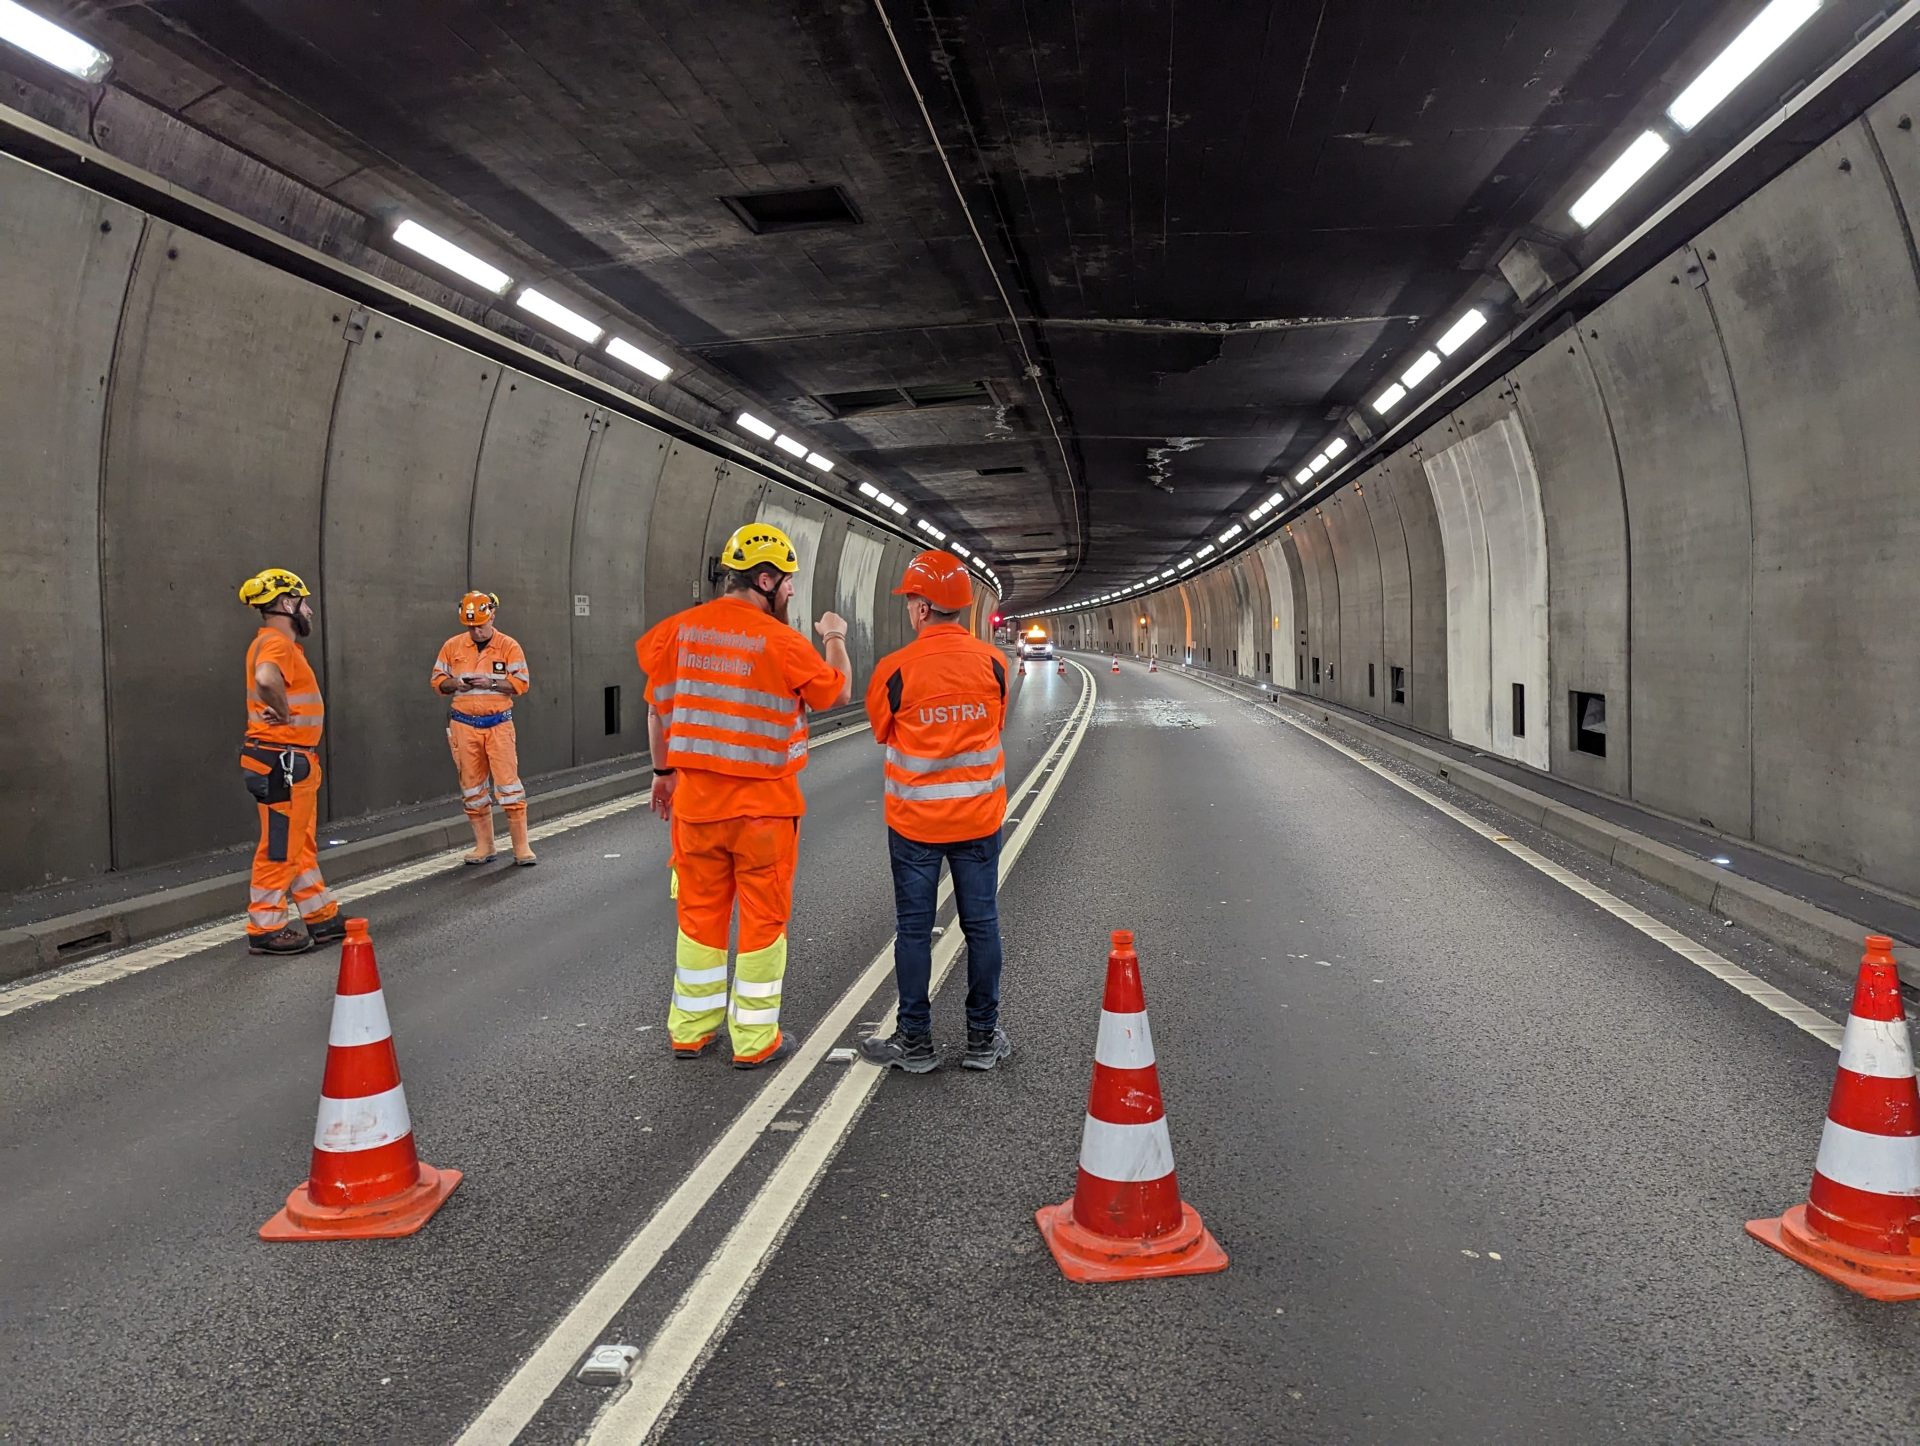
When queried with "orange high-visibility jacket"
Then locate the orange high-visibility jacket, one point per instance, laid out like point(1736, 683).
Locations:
point(729, 682)
point(937, 706)
point(499, 657)
point(306, 709)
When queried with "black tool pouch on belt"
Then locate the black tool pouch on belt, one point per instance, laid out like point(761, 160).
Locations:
point(272, 772)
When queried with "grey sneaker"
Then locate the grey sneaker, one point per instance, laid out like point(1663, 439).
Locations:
point(986, 1048)
point(911, 1052)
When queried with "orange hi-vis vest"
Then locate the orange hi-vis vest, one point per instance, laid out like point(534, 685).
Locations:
point(937, 705)
point(729, 682)
point(499, 657)
point(306, 709)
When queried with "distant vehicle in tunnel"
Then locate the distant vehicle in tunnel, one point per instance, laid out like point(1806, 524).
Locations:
point(1035, 643)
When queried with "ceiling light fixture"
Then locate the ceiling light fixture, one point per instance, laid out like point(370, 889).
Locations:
point(1304, 475)
point(789, 446)
point(1768, 31)
point(1319, 463)
point(1232, 532)
point(442, 252)
point(1275, 500)
point(747, 422)
point(867, 489)
point(1336, 446)
point(626, 351)
point(1461, 332)
point(1206, 551)
point(883, 499)
point(1639, 158)
point(1424, 366)
point(900, 509)
point(1389, 399)
point(824, 464)
point(1185, 563)
point(961, 553)
point(60, 48)
point(548, 310)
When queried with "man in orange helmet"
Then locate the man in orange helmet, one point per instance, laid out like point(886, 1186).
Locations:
point(482, 671)
point(728, 686)
point(280, 762)
point(937, 706)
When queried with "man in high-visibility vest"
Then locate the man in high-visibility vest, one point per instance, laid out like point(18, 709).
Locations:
point(937, 706)
point(728, 686)
point(280, 762)
point(481, 671)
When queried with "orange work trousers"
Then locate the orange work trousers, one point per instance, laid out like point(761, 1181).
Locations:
point(486, 756)
point(285, 784)
point(749, 860)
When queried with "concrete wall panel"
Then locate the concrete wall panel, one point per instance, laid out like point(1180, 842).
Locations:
point(69, 254)
point(802, 519)
point(1279, 570)
point(1396, 589)
point(1469, 589)
point(1566, 424)
point(1808, 281)
point(826, 584)
point(525, 491)
point(1357, 559)
point(217, 441)
point(1657, 357)
point(617, 493)
point(1323, 604)
point(854, 585)
point(1426, 663)
point(1253, 627)
point(1302, 609)
point(399, 488)
point(675, 576)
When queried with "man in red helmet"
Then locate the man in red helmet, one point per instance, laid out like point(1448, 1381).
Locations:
point(937, 706)
point(482, 671)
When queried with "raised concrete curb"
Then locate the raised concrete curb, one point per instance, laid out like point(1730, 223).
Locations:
point(1825, 938)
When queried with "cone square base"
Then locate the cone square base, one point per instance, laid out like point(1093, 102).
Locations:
point(397, 1215)
point(1090, 1259)
point(1868, 1272)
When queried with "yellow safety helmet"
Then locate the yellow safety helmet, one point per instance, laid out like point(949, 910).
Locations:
point(757, 543)
point(269, 583)
point(477, 608)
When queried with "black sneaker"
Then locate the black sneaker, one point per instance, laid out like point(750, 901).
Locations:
point(789, 1042)
point(694, 1051)
point(986, 1048)
point(287, 940)
point(330, 931)
point(911, 1052)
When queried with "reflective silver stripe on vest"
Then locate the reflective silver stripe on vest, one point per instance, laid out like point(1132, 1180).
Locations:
point(928, 792)
point(912, 764)
point(731, 721)
point(295, 700)
point(738, 752)
point(728, 693)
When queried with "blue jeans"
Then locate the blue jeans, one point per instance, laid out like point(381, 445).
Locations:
point(975, 865)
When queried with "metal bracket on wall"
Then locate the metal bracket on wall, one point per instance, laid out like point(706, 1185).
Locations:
point(356, 328)
point(1696, 272)
point(598, 421)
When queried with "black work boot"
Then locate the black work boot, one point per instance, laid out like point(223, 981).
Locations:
point(284, 940)
point(911, 1052)
point(986, 1048)
point(789, 1042)
point(329, 931)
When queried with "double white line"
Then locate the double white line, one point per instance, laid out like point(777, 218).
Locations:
point(695, 1325)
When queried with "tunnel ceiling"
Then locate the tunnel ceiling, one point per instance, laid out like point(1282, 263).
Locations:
point(1205, 231)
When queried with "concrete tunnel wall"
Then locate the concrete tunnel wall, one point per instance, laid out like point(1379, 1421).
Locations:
point(1702, 504)
point(175, 416)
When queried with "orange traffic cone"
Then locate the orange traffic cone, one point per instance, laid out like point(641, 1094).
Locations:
point(1861, 1223)
point(1153, 665)
point(1116, 662)
point(366, 1181)
point(1126, 1220)
point(1023, 668)
point(1063, 667)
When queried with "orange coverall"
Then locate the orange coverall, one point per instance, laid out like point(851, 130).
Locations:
point(485, 750)
point(281, 765)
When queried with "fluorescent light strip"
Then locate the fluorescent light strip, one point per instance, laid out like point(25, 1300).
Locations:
point(1424, 366)
point(625, 351)
point(443, 253)
point(1275, 500)
point(883, 499)
point(900, 509)
point(1206, 551)
point(60, 48)
point(789, 446)
point(1768, 31)
point(1389, 399)
point(1461, 332)
point(1336, 447)
point(1232, 532)
point(1304, 475)
point(961, 553)
point(548, 310)
point(1639, 158)
point(814, 459)
point(1319, 463)
point(867, 489)
point(1185, 563)
point(747, 422)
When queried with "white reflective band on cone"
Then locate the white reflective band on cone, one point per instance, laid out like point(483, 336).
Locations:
point(1125, 1041)
point(1877, 1047)
point(715, 975)
point(362, 1124)
point(1126, 1154)
point(1878, 1164)
point(359, 1019)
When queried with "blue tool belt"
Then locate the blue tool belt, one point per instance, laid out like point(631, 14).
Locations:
point(482, 720)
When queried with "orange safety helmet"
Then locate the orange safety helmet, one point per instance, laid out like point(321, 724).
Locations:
point(940, 578)
point(477, 609)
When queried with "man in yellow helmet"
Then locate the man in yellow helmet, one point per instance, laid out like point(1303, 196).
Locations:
point(280, 761)
point(728, 686)
point(481, 671)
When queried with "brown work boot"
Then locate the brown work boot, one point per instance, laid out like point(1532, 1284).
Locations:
point(482, 839)
point(286, 940)
point(517, 826)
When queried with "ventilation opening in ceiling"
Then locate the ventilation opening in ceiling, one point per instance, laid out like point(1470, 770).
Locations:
point(907, 399)
point(999, 471)
point(765, 211)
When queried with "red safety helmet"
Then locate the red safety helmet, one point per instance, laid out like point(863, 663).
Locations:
point(477, 608)
point(940, 578)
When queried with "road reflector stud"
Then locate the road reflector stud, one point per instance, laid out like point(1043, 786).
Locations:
point(608, 1365)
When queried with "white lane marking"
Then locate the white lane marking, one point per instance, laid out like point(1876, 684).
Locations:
point(1778, 1001)
point(43, 989)
point(576, 1333)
